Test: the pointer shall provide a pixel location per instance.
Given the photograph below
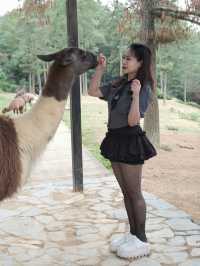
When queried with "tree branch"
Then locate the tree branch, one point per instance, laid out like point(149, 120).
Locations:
point(191, 16)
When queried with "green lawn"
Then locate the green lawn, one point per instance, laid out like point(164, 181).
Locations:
point(94, 117)
point(5, 98)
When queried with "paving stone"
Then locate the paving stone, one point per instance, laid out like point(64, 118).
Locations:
point(57, 236)
point(160, 204)
point(101, 207)
point(155, 220)
point(119, 214)
point(191, 262)
point(145, 262)
point(23, 227)
point(153, 239)
point(165, 248)
point(89, 261)
point(170, 258)
point(182, 224)
point(177, 241)
point(195, 252)
point(114, 261)
point(193, 240)
point(7, 213)
point(193, 232)
point(6, 260)
point(25, 253)
point(155, 227)
point(171, 213)
point(166, 232)
point(45, 219)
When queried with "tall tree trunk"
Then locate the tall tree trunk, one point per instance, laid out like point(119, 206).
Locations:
point(185, 90)
point(161, 82)
point(165, 87)
point(85, 84)
point(30, 82)
point(33, 83)
point(81, 84)
point(151, 120)
point(39, 82)
point(120, 56)
point(45, 73)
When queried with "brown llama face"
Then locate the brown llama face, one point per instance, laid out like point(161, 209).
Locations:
point(79, 60)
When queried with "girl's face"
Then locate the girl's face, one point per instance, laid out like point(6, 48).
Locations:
point(130, 64)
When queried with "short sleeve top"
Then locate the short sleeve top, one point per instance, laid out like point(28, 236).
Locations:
point(119, 102)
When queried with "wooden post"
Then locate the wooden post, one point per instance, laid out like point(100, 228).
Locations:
point(76, 140)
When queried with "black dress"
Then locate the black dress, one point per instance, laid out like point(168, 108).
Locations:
point(127, 145)
point(123, 143)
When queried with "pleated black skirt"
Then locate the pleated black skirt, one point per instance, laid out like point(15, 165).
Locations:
point(127, 145)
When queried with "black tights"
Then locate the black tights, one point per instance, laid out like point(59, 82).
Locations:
point(129, 179)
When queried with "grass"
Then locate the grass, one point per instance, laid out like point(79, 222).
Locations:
point(94, 119)
point(178, 116)
point(5, 98)
point(194, 116)
point(172, 128)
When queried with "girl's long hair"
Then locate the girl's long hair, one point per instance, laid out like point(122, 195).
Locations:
point(142, 53)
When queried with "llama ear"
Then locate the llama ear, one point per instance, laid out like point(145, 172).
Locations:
point(63, 57)
point(48, 57)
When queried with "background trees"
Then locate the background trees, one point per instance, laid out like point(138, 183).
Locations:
point(40, 27)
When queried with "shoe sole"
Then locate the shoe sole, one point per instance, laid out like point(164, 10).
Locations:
point(134, 257)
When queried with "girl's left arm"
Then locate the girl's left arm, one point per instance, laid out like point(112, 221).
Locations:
point(134, 113)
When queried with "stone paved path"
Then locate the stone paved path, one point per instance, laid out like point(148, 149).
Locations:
point(47, 224)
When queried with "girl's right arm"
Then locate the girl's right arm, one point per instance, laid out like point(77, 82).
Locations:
point(95, 82)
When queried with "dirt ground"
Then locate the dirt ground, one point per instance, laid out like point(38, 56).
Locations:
point(175, 175)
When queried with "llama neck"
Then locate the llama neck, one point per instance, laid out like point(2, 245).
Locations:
point(59, 82)
point(38, 126)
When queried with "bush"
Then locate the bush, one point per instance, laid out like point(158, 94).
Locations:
point(7, 86)
point(172, 128)
point(160, 95)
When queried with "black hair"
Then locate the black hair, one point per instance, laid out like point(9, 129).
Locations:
point(143, 53)
point(144, 75)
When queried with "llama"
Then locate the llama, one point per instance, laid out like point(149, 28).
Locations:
point(17, 105)
point(23, 138)
point(28, 97)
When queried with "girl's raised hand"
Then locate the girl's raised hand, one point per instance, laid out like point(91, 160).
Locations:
point(101, 62)
point(135, 87)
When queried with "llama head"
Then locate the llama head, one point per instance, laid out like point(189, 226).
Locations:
point(79, 60)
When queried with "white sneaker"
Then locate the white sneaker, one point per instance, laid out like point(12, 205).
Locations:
point(115, 243)
point(133, 248)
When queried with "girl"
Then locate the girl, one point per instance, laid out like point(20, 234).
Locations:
point(125, 143)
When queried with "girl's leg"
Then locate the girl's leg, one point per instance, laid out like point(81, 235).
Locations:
point(127, 202)
point(132, 175)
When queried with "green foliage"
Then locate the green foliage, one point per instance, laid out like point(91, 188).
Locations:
point(181, 61)
point(159, 93)
point(4, 100)
point(23, 36)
